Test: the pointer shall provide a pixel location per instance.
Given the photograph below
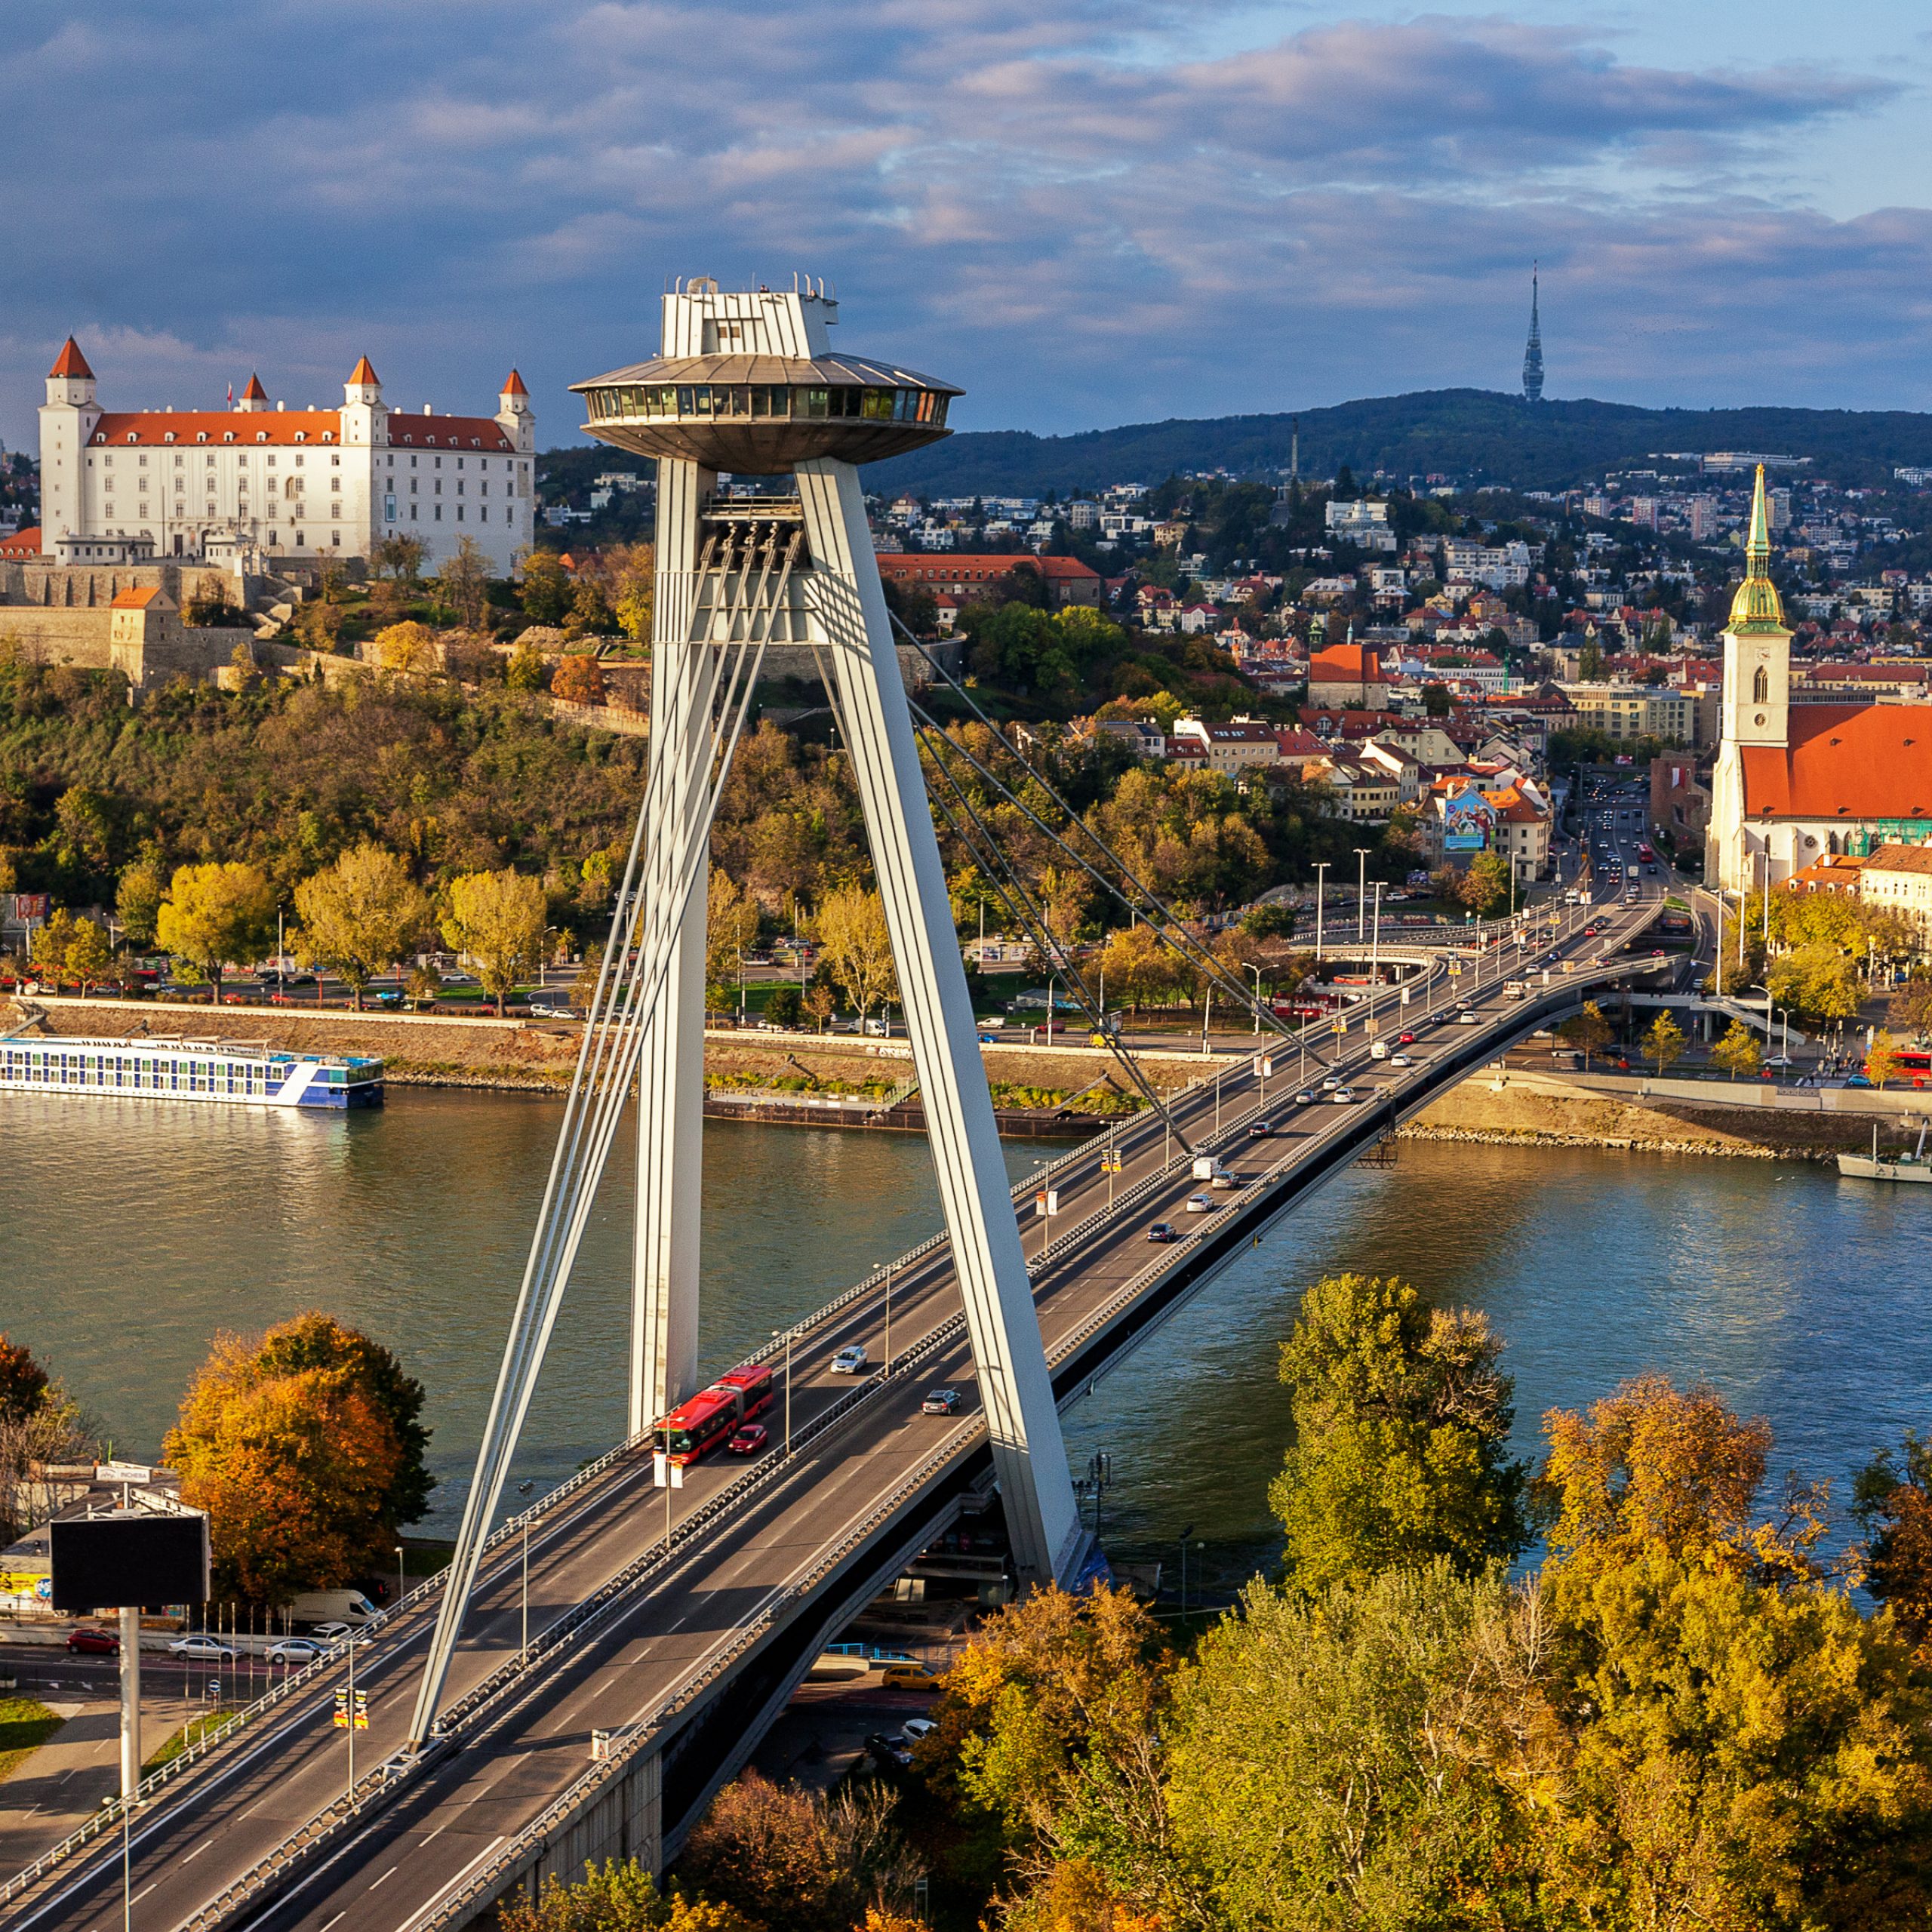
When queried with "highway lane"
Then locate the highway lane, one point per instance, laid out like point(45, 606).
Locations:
point(185, 1863)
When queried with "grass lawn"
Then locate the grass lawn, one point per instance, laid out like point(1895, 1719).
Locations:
point(192, 1732)
point(25, 1726)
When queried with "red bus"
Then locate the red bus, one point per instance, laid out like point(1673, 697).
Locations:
point(1914, 1064)
point(1644, 853)
point(710, 1416)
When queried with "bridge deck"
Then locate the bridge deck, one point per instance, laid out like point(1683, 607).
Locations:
point(753, 1553)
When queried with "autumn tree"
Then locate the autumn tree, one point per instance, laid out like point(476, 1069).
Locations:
point(463, 582)
point(1485, 886)
point(730, 926)
point(1892, 1500)
point(40, 1422)
point(856, 945)
point(1663, 1041)
point(631, 573)
point(616, 1897)
point(399, 558)
point(47, 950)
point(579, 679)
point(360, 915)
point(1587, 1032)
point(408, 646)
point(216, 915)
point(1738, 1052)
point(495, 920)
point(525, 670)
point(1911, 1005)
point(1401, 1427)
point(306, 1446)
point(545, 590)
point(1139, 967)
point(89, 954)
point(1881, 1058)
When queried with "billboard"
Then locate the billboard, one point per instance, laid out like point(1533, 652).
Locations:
point(1466, 820)
point(129, 1557)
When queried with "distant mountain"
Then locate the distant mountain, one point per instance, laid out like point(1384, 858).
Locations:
point(1479, 435)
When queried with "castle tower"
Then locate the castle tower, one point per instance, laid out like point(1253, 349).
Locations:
point(515, 413)
point(1755, 711)
point(254, 397)
point(364, 413)
point(67, 419)
point(1533, 353)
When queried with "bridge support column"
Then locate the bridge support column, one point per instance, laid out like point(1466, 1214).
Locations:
point(847, 608)
point(670, 1127)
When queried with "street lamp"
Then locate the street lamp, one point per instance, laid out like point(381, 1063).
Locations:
point(398, 1573)
point(1320, 881)
point(1256, 971)
point(787, 1334)
point(1362, 892)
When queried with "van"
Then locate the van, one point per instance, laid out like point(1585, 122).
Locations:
point(332, 1606)
point(1207, 1167)
point(1515, 989)
point(1378, 1049)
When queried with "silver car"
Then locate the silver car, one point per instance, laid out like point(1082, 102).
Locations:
point(849, 1361)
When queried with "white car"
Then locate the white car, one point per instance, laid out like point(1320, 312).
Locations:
point(201, 1649)
point(1467, 1019)
point(1199, 1203)
point(913, 1728)
point(1304, 1099)
point(1401, 1060)
point(849, 1361)
point(1342, 1095)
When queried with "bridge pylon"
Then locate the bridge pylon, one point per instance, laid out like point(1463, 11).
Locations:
point(747, 385)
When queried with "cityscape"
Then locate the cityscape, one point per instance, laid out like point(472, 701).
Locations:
point(1122, 1141)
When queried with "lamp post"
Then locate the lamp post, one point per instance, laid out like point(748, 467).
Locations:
point(1321, 880)
point(1256, 971)
point(1375, 958)
point(1362, 892)
point(398, 1573)
point(787, 1334)
point(1184, 1535)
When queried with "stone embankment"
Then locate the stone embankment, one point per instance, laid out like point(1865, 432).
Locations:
point(1515, 1109)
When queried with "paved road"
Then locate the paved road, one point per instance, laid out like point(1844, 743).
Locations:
point(394, 1867)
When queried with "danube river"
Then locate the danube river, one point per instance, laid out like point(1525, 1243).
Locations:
point(133, 1232)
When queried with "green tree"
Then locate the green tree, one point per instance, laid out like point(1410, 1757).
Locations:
point(547, 589)
point(1485, 886)
point(1818, 980)
point(360, 915)
point(137, 899)
point(495, 920)
point(47, 951)
point(215, 916)
point(1663, 1041)
point(524, 671)
point(303, 1444)
point(1402, 1428)
point(1588, 1031)
point(1911, 1005)
point(785, 1007)
point(1322, 1772)
point(1881, 1058)
point(1738, 1052)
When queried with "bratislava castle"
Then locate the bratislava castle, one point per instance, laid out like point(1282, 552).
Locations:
point(256, 481)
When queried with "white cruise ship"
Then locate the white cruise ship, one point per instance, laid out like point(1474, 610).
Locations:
point(230, 1071)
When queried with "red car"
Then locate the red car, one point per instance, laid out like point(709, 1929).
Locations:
point(97, 1643)
point(750, 1438)
point(1405, 1039)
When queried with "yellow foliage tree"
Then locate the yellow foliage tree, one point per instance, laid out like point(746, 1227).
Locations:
point(408, 646)
point(360, 915)
point(495, 920)
point(850, 928)
point(215, 916)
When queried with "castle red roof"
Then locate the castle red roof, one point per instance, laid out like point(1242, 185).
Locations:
point(1844, 760)
point(70, 362)
point(19, 543)
point(514, 386)
point(254, 392)
point(364, 373)
point(278, 428)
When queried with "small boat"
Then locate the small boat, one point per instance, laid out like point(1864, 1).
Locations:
point(1903, 1167)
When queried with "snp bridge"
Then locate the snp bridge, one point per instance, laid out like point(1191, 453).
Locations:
point(683, 1652)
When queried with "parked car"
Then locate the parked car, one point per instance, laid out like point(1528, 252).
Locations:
point(330, 1635)
point(551, 1009)
point(88, 1641)
point(914, 1729)
point(1199, 1203)
point(1162, 1231)
point(750, 1438)
point(907, 1674)
point(200, 1648)
point(940, 1402)
point(298, 1651)
point(849, 1361)
point(888, 1755)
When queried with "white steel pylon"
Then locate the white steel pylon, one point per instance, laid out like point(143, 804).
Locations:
point(747, 383)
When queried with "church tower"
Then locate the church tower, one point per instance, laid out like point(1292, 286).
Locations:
point(1755, 710)
point(1532, 353)
point(66, 421)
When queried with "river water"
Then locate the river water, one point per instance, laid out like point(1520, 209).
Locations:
point(130, 1233)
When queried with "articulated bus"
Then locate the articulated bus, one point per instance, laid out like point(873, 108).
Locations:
point(710, 1416)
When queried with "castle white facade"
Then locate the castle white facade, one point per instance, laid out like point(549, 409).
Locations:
point(251, 483)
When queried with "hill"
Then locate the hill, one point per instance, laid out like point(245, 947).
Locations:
point(1476, 435)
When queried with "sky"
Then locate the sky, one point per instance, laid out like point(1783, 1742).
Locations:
point(1084, 212)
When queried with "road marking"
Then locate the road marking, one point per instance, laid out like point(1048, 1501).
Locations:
point(197, 1851)
point(328, 1922)
point(385, 1878)
point(443, 1827)
point(143, 1893)
point(423, 1911)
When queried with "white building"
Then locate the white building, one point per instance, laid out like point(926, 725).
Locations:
point(254, 482)
point(1365, 524)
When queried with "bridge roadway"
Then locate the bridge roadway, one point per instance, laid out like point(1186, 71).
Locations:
point(795, 1543)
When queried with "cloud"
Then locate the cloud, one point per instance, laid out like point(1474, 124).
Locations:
point(1087, 214)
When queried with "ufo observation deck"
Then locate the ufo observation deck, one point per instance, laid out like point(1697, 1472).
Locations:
point(763, 415)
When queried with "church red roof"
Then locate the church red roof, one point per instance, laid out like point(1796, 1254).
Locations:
point(1345, 664)
point(1844, 760)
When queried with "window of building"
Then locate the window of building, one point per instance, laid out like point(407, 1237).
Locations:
point(261, 435)
point(1760, 686)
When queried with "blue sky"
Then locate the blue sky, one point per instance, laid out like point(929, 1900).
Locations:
point(1085, 213)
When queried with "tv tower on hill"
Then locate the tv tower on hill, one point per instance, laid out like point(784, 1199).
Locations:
point(1532, 354)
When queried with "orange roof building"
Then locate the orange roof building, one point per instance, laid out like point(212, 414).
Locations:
point(257, 480)
point(1797, 784)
